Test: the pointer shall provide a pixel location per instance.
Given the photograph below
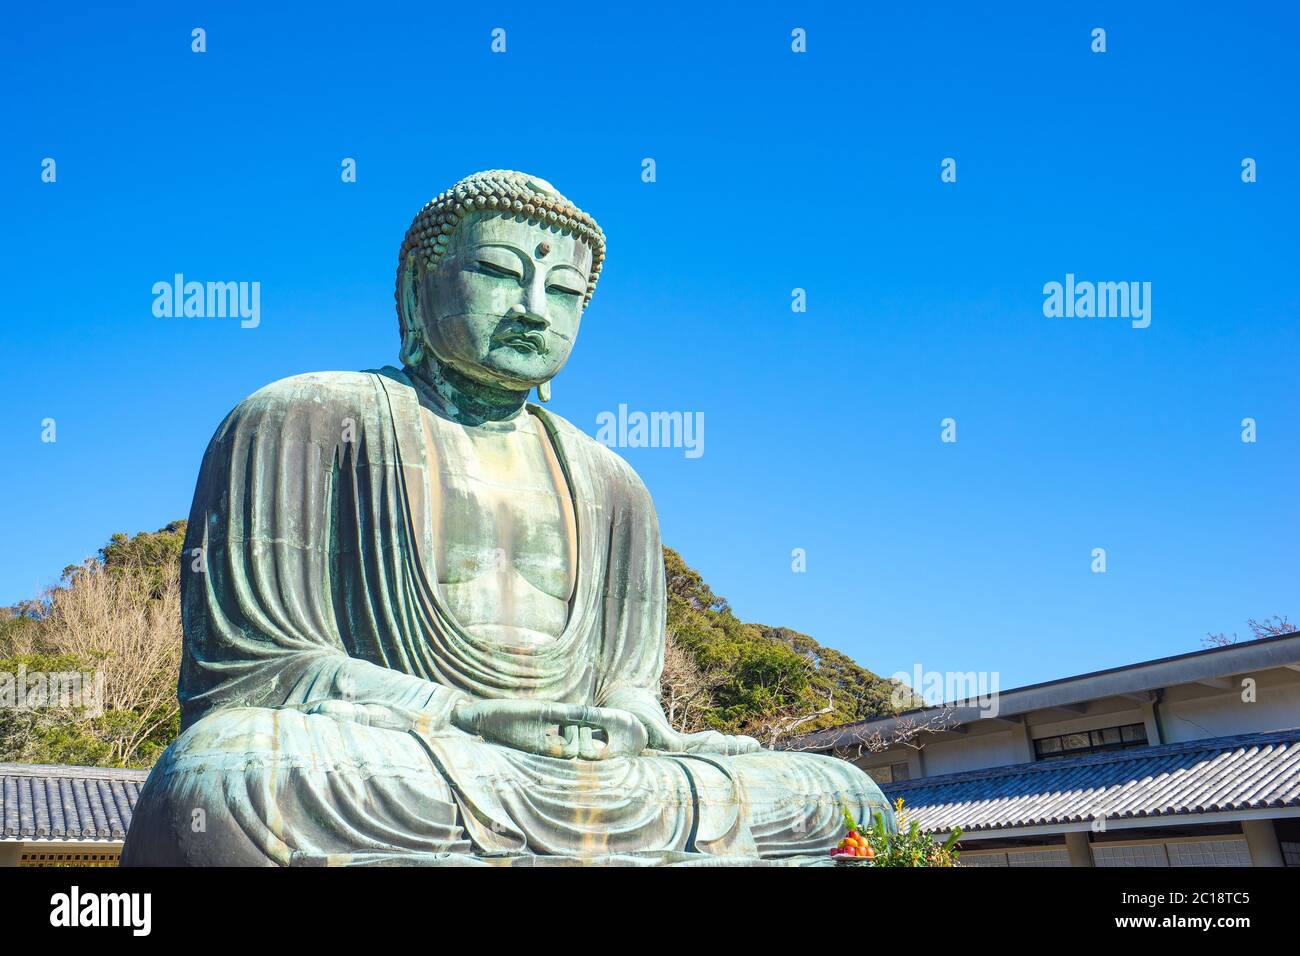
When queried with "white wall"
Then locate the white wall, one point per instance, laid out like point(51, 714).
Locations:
point(974, 752)
point(1276, 707)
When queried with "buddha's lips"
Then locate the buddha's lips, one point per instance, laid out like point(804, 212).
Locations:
point(524, 341)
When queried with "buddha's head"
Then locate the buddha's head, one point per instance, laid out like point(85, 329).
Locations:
point(493, 278)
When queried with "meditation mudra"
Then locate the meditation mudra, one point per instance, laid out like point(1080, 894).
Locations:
point(424, 620)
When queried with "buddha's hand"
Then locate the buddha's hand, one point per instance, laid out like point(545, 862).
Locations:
point(369, 715)
point(705, 742)
point(568, 731)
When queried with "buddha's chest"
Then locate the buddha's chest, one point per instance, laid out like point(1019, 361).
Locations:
point(504, 531)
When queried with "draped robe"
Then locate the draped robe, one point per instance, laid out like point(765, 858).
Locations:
point(321, 665)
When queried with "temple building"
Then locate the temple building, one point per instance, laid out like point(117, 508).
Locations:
point(1191, 760)
point(65, 816)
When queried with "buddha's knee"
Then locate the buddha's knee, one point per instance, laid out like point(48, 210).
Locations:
point(813, 788)
point(181, 817)
point(841, 784)
point(254, 786)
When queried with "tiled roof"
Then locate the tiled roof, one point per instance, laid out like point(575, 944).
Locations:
point(40, 802)
point(1246, 772)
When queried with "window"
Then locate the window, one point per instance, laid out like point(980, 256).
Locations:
point(1072, 742)
point(1173, 853)
point(984, 859)
point(1052, 857)
point(1046, 856)
point(889, 773)
point(1140, 854)
point(79, 858)
point(1209, 853)
point(1091, 741)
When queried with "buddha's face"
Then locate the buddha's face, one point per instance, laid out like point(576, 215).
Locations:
point(504, 303)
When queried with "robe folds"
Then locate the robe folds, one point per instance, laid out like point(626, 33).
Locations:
point(321, 665)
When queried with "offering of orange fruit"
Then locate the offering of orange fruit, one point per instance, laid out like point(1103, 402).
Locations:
point(855, 846)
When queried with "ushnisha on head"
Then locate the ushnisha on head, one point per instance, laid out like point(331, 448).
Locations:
point(492, 280)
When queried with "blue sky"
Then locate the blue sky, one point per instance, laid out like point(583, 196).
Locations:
point(775, 170)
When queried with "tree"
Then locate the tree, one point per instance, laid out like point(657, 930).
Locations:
point(766, 682)
point(686, 690)
point(1274, 626)
point(111, 629)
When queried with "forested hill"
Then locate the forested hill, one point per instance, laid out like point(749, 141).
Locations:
point(753, 678)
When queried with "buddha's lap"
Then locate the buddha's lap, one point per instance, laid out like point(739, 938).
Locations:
point(259, 744)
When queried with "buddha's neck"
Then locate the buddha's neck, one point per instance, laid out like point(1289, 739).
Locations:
point(461, 398)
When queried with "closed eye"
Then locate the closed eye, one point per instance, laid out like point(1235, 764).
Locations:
point(501, 272)
point(563, 290)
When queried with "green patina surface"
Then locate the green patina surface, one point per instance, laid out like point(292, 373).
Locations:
point(430, 626)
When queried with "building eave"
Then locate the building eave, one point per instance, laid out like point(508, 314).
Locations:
point(1138, 679)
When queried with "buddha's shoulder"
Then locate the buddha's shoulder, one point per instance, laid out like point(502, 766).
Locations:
point(599, 456)
point(314, 393)
point(322, 385)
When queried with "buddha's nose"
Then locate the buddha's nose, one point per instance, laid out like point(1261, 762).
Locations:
point(530, 313)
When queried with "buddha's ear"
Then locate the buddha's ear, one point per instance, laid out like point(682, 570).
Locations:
point(413, 339)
